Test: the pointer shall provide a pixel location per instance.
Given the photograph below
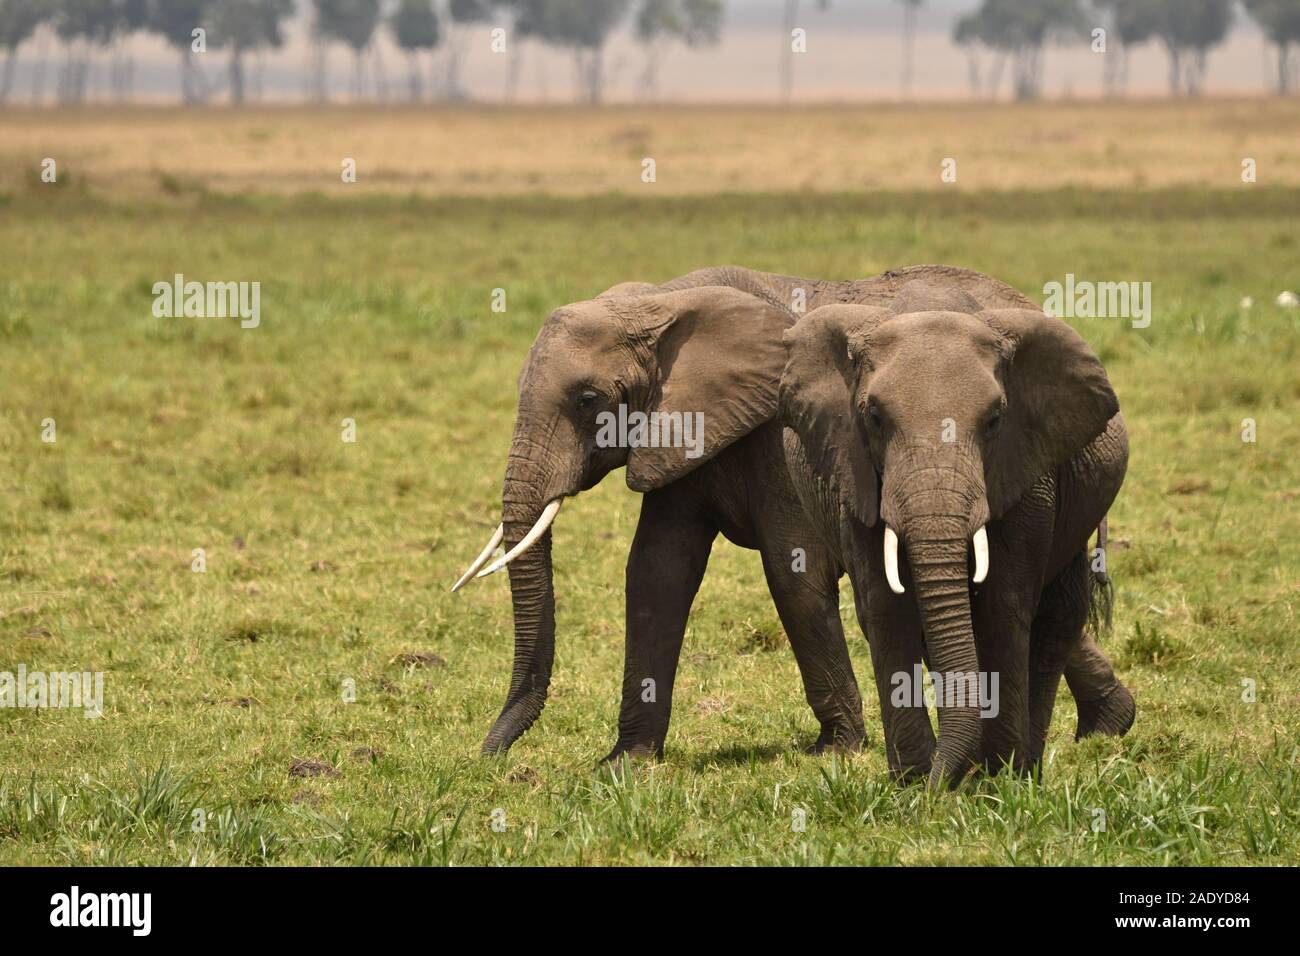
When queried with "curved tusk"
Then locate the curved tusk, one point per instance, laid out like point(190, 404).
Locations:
point(981, 542)
point(481, 560)
point(535, 532)
point(891, 561)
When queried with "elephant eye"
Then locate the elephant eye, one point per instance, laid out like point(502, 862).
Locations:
point(994, 421)
point(875, 415)
point(587, 398)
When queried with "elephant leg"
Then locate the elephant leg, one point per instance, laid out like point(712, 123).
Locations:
point(669, 554)
point(1005, 607)
point(808, 603)
point(1104, 703)
point(1057, 631)
point(1003, 627)
point(892, 625)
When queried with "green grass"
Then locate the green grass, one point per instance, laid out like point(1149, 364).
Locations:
point(327, 562)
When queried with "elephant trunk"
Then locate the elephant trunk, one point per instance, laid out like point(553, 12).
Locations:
point(936, 518)
point(532, 596)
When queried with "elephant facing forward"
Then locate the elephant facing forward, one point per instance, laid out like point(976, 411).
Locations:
point(958, 459)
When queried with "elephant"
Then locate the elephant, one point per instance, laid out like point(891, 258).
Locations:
point(708, 341)
point(955, 428)
point(707, 351)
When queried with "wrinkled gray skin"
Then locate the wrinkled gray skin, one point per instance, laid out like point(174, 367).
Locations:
point(710, 341)
point(957, 406)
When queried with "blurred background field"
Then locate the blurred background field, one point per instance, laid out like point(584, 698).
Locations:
point(568, 151)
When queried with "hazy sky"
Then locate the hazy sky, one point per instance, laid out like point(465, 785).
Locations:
point(854, 52)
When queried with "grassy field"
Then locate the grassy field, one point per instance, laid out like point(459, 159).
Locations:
point(328, 563)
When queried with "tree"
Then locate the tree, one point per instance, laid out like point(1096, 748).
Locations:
point(583, 26)
point(659, 23)
point(526, 17)
point(1280, 21)
point(790, 21)
point(352, 23)
point(129, 18)
point(1189, 29)
point(1131, 23)
point(243, 26)
point(81, 25)
point(175, 21)
point(414, 26)
point(461, 16)
point(909, 41)
point(1020, 29)
point(18, 21)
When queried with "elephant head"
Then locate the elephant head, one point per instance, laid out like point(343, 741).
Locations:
point(936, 422)
point(714, 351)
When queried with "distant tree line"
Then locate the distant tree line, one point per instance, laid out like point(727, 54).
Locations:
point(67, 39)
point(999, 33)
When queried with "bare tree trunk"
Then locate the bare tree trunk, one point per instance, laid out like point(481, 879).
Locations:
point(453, 64)
point(8, 78)
point(596, 75)
point(236, 76)
point(513, 69)
point(973, 71)
point(995, 76)
point(38, 74)
point(543, 88)
point(909, 43)
point(412, 77)
point(787, 51)
point(320, 63)
point(380, 74)
point(259, 70)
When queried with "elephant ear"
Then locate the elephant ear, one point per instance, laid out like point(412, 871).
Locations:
point(817, 403)
point(712, 350)
point(1058, 400)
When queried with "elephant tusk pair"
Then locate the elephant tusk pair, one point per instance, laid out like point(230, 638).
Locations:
point(980, 541)
point(536, 531)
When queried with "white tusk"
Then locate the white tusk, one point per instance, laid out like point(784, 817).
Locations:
point(981, 541)
point(891, 561)
point(486, 553)
point(535, 532)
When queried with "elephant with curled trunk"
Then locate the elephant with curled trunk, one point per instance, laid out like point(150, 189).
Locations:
point(959, 453)
point(708, 342)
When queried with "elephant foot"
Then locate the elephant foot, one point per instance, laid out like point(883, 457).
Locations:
point(1112, 714)
point(634, 752)
point(839, 739)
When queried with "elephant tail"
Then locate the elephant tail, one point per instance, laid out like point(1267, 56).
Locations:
point(1101, 590)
